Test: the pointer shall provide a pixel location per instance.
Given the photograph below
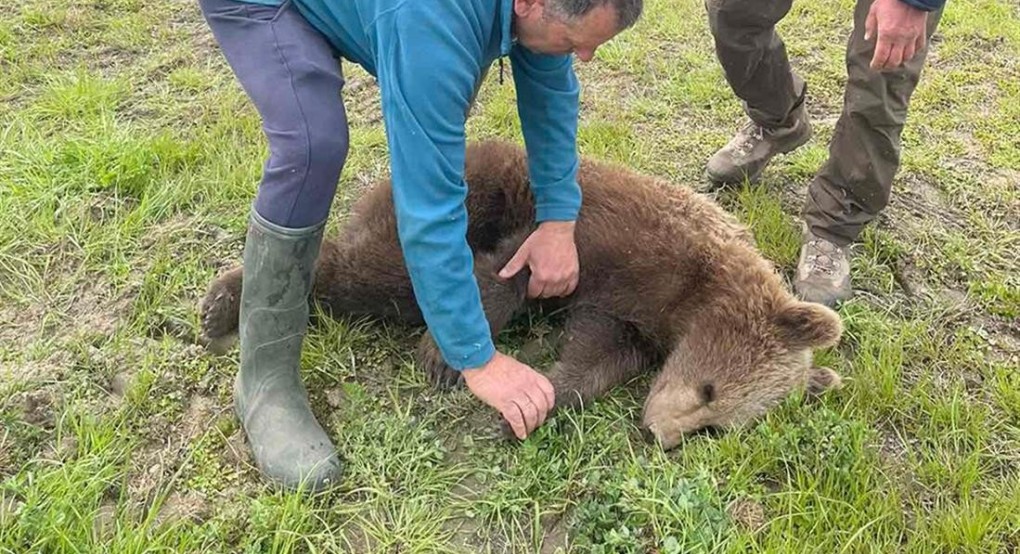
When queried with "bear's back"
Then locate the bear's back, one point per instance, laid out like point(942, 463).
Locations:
point(651, 251)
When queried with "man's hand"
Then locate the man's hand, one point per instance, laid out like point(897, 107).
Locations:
point(551, 254)
point(522, 395)
point(901, 32)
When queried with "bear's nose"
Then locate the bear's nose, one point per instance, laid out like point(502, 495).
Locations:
point(648, 434)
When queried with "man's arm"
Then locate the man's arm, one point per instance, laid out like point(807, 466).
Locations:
point(427, 71)
point(547, 101)
point(424, 113)
point(548, 95)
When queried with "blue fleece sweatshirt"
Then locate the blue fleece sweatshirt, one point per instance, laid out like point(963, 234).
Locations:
point(428, 56)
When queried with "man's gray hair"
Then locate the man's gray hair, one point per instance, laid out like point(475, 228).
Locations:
point(627, 11)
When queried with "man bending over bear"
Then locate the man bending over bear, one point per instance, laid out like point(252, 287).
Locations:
point(429, 58)
point(667, 280)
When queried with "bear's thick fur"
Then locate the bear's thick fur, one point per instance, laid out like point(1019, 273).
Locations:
point(667, 279)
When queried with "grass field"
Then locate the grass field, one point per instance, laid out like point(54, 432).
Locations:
point(129, 156)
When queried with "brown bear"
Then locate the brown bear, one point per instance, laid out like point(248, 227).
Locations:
point(667, 279)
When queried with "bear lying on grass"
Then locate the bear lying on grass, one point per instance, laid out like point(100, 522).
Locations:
point(667, 279)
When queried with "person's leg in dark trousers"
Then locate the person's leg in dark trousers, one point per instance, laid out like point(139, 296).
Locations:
point(853, 186)
point(754, 59)
point(293, 78)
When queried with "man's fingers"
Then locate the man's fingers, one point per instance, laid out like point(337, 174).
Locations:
point(895, 57)
point(535, 286)
point(512, 414)
point(870, 24)
point(541, 407)
point(536, 399)
point(882, 49)
point(530, 413)
point(921, 41)
point(516, 263)
point(572, 286)
point(560, 286)
point(909, 51)
point(548, 393)
point(556, 290)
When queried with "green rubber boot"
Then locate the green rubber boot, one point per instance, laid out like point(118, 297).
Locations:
point(288, 443)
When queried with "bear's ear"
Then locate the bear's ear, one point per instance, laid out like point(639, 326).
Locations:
point(808, 325)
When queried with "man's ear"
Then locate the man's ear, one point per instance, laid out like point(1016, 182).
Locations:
point(808, 325)
point(528, 8)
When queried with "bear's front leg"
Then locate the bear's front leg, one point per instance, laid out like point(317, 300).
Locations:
point(501, 300)
point(598, 352)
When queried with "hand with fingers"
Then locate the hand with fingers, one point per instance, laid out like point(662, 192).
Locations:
point(551, 255)
point(899, 29)
point(522, 395)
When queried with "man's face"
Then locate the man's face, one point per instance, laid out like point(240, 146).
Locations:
point(545, 32)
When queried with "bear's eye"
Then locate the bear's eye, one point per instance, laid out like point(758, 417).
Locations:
point(707, 392)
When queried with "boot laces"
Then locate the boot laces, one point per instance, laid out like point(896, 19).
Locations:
point(823, 257)
point(750, 136)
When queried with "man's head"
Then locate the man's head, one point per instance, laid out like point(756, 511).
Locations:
point(572, 26)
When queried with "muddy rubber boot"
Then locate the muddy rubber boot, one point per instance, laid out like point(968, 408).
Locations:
point(289, 445)
point(750, 151)
point(823, 271)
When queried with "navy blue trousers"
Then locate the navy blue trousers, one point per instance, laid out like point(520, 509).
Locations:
point(293, 78)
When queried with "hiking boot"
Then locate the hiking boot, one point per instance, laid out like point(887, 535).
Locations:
point(747, 153)
point(823, 272)
point(288, 444)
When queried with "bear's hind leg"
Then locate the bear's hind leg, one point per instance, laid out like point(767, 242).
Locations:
point(365, 276)
point(219, 310)
point(355, 275)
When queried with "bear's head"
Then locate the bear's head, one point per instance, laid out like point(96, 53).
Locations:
point(729, 369)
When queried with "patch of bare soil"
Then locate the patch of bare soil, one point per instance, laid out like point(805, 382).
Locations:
point(157, 462)
point(6, 454)
point(37, 407)
point(916, 202)
point(65, 449)
point(184, 506)
point(104, 524)
point(356, 539)
point(554, 535)
point(918, 205)
point(469, 536)
point(1003, 337)
point(97, 311)
point(236, 451)
point(150, 466)
point(20, 326)
point(201, 413)
point(49, 369)
point(748, 514)
point(88, 311)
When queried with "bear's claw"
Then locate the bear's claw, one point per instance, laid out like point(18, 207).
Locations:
point(430, 360)
point(219, 312)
